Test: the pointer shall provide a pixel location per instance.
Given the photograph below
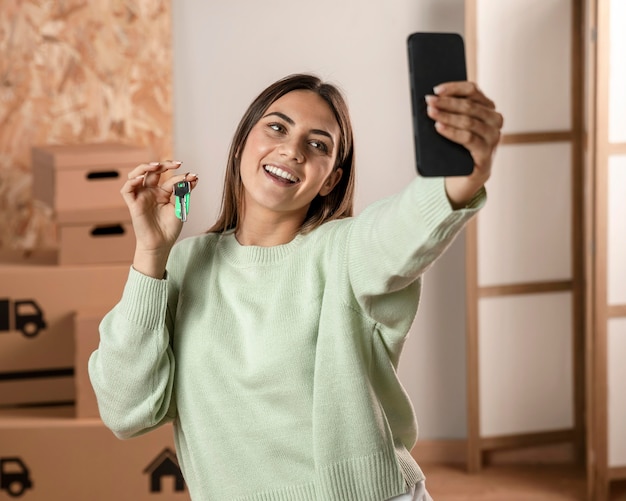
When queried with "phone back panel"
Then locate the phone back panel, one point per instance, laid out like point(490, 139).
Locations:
point(435, 58)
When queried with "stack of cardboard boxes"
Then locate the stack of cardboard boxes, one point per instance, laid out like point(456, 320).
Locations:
point(53, 445)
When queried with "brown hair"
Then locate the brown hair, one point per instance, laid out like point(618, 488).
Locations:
point(339, 202)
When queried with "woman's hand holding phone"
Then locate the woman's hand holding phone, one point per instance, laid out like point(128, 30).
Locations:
point(456, 126)
point(466, 116)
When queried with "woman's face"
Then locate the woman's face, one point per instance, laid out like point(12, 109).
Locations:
point(289, 155)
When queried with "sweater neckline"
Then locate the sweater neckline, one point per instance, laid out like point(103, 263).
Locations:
point(239, 254)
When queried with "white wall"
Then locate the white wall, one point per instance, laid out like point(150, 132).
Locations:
point(226, 52)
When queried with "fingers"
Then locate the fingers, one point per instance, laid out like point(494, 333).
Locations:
point(152, 171)
point(132, 184)
point(464, 89)
point(480, 109)
point(463, 114)
point(463, 126)
point(169, 184)
point(147, 177)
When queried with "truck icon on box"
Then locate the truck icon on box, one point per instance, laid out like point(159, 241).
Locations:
point(14, 476)
point(23, 315)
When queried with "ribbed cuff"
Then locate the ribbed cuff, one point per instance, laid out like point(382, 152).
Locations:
point(144, 300)
point(439, 216)
point(433, 201)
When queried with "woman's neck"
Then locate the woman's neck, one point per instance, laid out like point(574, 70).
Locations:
point(267, 233)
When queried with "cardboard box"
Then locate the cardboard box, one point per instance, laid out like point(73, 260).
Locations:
point(37, 388)
point(86, 340)
point(27, 257)
point(72, 178)
point(105, 242)
point(57, 458)
point(37, 328)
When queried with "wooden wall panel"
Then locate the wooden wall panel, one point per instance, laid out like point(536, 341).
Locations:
point(616, 402)
point(526, 369)
point(527, 54)
point(616, 276)
point(76, 72)
point(519, 240)
point(524, 62)
point(617, 80)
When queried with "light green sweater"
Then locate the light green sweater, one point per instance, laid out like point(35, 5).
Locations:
point(277, 365)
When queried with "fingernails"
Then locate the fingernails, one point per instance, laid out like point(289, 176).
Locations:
point(430, 99)
point(177, 162)
point(438, 89)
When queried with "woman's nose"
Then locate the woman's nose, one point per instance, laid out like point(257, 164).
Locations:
point(292, 149)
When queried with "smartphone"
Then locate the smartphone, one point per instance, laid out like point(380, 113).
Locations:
point(435, 58)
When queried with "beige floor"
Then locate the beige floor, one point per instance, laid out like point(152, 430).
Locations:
point(511, 483)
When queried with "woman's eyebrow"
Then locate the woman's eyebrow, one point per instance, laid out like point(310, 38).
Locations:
point(290, 121)
point(281, 115)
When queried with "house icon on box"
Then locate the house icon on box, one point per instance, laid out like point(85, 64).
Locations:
point(165, 465)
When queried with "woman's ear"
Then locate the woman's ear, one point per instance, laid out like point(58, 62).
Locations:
point(331, 181)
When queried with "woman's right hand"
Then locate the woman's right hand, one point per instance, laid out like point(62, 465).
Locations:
point(150, 201)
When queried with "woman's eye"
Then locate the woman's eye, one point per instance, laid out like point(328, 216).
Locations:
point(276, 127)
point(319, 145)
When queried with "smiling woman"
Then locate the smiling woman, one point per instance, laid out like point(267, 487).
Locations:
point(333, 116)
point(288, 160)
point(272, 341)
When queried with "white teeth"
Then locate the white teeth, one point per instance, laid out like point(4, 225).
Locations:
point(281, 173)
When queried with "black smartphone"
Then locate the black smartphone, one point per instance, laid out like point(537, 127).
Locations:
point(435, 58)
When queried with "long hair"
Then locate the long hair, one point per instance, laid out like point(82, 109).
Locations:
point(338, 203)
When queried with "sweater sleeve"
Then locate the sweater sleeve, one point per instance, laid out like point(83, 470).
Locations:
point(132, 371)
point(394, 241)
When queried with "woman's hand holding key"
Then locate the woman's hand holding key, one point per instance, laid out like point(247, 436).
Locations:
point(151, 203)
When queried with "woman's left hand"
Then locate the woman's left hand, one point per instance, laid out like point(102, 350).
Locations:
point(465, 115)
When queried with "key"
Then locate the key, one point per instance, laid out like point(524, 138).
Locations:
point(181, 192)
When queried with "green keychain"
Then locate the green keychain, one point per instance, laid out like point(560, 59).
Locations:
point(181, 192)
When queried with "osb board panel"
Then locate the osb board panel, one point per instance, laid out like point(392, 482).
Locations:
point(73, 72)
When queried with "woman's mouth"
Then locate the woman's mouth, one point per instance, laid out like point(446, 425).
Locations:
point(280, 174)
